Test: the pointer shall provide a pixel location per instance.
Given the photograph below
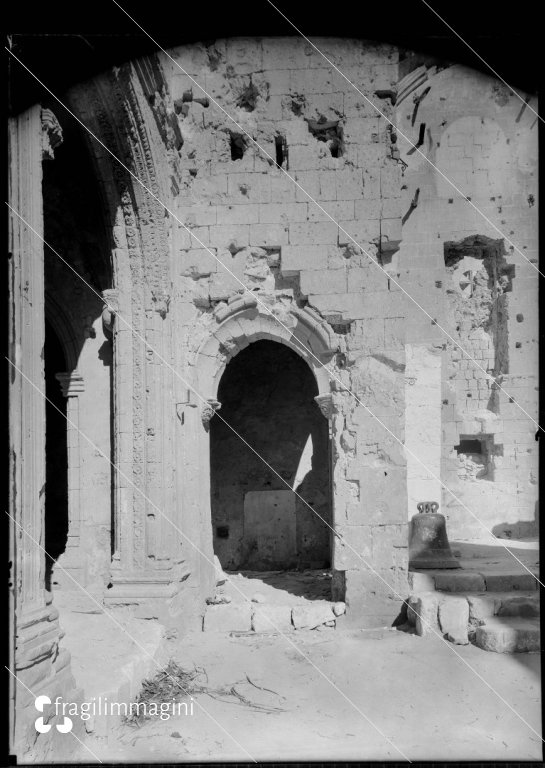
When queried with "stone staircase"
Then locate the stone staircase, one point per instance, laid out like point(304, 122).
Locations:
point(495, 610)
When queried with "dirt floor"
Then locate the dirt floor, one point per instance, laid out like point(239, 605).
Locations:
point(331, 694)
point(278, 587)
point(417, 692)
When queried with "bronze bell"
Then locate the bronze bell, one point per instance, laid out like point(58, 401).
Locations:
point(429, 546)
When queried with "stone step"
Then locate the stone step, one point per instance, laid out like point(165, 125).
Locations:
point(459, 617)
point(473, 581)
point(486, 605)
point(509, 635)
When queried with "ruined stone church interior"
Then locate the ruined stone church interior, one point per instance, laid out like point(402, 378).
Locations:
point(272, 312)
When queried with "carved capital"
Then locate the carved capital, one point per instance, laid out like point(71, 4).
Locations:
point(71, 383)
point(209, 410)
point(51, 134)
point(325, 404)
point(111, 307)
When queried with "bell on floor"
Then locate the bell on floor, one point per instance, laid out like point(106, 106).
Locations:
point(429, 545)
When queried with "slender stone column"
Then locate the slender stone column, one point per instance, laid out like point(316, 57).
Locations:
point(120, 337)
point(27, 335)
point(72, 386)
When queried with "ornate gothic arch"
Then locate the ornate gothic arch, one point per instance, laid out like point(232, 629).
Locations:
point(244, 321)
point(239, 323)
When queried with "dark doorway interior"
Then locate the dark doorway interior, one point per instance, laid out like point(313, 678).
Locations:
point(267, 395)
point(56, 461)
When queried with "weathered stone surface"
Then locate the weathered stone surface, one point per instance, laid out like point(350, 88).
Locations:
point(221, 578)
point(524, 606)
point(339, 609)
point(227, 618)
point(218, 599)
point(459, 582)
point(311, 615)
point(443, 408)
point(454, 619)
point(509, 635)
point(272, 618)
point(421, 582)
point(481, 608)
point(505, 582)
point(422, 612)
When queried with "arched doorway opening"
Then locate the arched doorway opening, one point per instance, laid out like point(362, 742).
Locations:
point(56, 461)
point(259, 517)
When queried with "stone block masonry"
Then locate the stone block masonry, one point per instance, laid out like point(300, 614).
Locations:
point(323, 272)
point(416, 382)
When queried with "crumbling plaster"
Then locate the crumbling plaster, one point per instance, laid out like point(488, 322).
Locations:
point(482, 138)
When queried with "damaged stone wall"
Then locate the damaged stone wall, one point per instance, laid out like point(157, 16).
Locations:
point(279, 264)
point(277, 243)
point(475, 284)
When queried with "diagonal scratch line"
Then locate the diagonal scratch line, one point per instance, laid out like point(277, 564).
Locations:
point(178, 375)
point(245, 597)
point(399, 131)
point(211, 562)
point(238, 280)
point(464, 41)
point(71, 732)
point(102, 608)
point(313, 200)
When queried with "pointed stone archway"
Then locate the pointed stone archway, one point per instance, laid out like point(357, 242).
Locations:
point(237, 325)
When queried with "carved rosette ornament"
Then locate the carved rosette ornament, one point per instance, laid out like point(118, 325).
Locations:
point(51, 134)
point(208, 411)
point(325, 404)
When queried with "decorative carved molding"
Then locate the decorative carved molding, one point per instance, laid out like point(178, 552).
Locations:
point(325, 404)
point(51, 134)
point(209, 410)
point(71, 383)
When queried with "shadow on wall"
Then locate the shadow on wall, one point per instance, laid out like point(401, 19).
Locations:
point(267, 394)
point(56, 479)
point(522, 529)
point(78, 362)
